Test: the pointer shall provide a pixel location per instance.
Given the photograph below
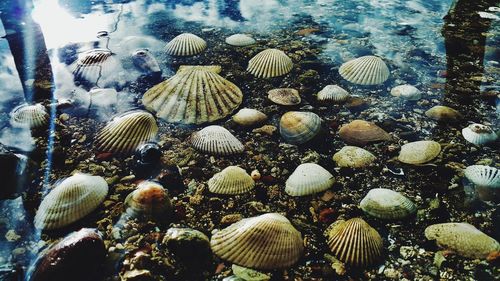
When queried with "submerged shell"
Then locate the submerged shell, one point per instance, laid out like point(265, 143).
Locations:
point(367, 70)
point(72, 199)
point(216, 140)
point(307, 179)
point(333, 94)
point(387, 204)
point(240, 40)
point(443, 113)
point(419, 152)
point(149, 200)
point(270, 63)
point(298, 127)
point(195, 95)
point(145, 61)
point(231, 180)
point(32, 116)
point(407, 92)
point(360, 132)
point(125, 132)
point(249, 117)
point(185, 44)
point(479, 134)
point(94, 64)
point(355, 242)
point(264, 242)
point(284, 96)
point(484, 176)
point(353, 157)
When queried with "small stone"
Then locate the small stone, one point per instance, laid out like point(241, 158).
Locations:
point(255, 174)
point(230, 219)
point(137, 275)
point(64, 117)
point(407, 252)
point(249, 274)
point(12, 236)
point(127, 178)
point(391, 273)
point(266, 129)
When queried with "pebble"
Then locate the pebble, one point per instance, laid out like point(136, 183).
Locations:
point(266, 129)
point(12, 236)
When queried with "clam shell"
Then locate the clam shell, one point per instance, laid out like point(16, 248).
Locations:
point(333, 94)
point(407, 92)
point(249, 117)
point(216, 140)
point(72, 199)
point(95, 64)
point(32, 116)
point(367, 70)
point(149, 200)
point(360, 132)
point(419, 152)
point(387, 204)
point(353, 157)
point(355, 242)
point(270, 63)
point(195, 95)
point(298, 127)
point(307, 179)
point(240, 40)
point(264, 242)
point(484, 176)
point(443, 113)
point(284, 96)
point(185, 44)
point(479, 134)
point(231, 180)
point(125, 132)
point(462, 238)
point(145, 61)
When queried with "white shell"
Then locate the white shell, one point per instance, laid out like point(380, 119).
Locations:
point(284, 96)
point(419, 152)
point(353, 157)
point(479, 134)
point(240, 40)
point(367, 70)
point(333, 93)
point(407, 92)
point(231, 180)
point(484, 176)
point(298, 127)
point(145, 61)
point(387, 204)
point(249, 117)
point(32, 116)
point(216, 140)
point(95, 64)
point(270, 63)
point(185, 44)
point(307, 179)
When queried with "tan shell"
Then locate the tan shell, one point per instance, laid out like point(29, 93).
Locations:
point(125, 132)
point(150, 201)
point(284, 96)
point(72, 199)
point(231, 180)
point(249, 117)
point(407, 92)
point(298, 127)
point(387, 204)
point(443, 113)
point(264, 242)
point(354, 242)
point(462, 238)
point(367, 70)
point(307, 179)
point(32, 116)
point(419, 152)
point(353, 157)
point(333, 94)
point(270, 63)
point(360, 132)
point(185, 44)
point(479, 134)
point(195, 95)
point(216, 140)
point(240, 40)
point(484, 176)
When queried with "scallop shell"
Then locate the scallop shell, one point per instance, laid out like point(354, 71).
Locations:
point(240, 40)
point(443, 113)
point(387, 204)
point(72, 199)
point(125, 132)
point(298, 127)
point(249, 117)
point(419, 152)
point(407, 92)
point(360, 132)
point(307, 179)
point(353, 157)
point(367, 70)
point(195, 95)
point(94, 64)
point(479, 134)
point(270, 63)
point(149, 200)
point(484, 176)
point(284, 96)
point(216, 140)
point(231, 180)
point(265, 242)
point(355, 242)
point(185, 44)
point(32, 116)
point(333, 94)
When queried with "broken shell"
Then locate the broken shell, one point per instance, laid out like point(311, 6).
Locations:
point(367, 70)
point(483, 176)
point(407, 92)
point(387, 204)
point(270, 63)
point(360, 132)
point(307, 179)
point(32, 116)
point(240, 40)
point(298, 127)
point(479, 134)
point(145, 61)
point(333, 94)
point(216, 140)
point(249, 117)
point(264, 242)
point(284, 96)
point(353, 157)
point(150, 201)
point(419, 152)
point(185, 44)
point(443, 113)
point(231, 180)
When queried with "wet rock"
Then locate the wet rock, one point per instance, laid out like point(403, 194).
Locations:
point(10, 172)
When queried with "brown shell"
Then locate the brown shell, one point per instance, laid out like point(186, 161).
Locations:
point(360, 132)
point(149, 200)
point(284, 96)
point(443, 113)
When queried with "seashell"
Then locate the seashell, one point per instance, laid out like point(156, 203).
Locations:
point(195, 95)
point(307, 179)
point(72, 199)
point(443, 113)
point(387, 204)
point(462, 238)
point(266, 129)
point(419, 152)
point(264, 242)
point(32, 116)
point(483, 176)
point(240, 40)
point(270, 63)
point(298, 127)
point(103, 97)
point(216, 140)
point(231, 180)
point(125, 132)
point(249, 117)
point(150, 200)
point(360, 132)
point(284, 96)
point(407, 92)
point(185, 44)
point(333, 94)
point(145, 61)
point(367, 70)
point(353, 157)
point(94, 64)
point(479, 134)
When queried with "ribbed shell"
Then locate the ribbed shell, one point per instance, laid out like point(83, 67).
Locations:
point(231, 180)
point(32, 116)
point(367, 70)
point(353, 157)
point(249, 117)
point(265, 242)
point(360, 132)
point(195, 95)
point(149, 200)
point(307, 179)
point(419, 152)
point(387, 204)
point(270, 63)
point(355, 242)
point(299, 127)
point(479, 134)
point(240, 40)
point(93, 64)
point(407, 92)
point(333, 94)
point(216, 140)
point(484, 176)
point(72, 199)
point(284, 96)
point(185, 44)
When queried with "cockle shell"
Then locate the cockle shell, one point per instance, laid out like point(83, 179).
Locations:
point(333, 94)
point(145, 61)
point(231, 180)
point(240, 40)
point(185, 44)
point(249, 117)
point(298, 127)
point(216, 140)
point(195, 95)
point(367, 70)
point(150, 201)
point(479, 134)
point(94, 64)
point(407, 92)
point(360, 132)
point(307, 179)
point(484, 176)
point(125, 132)
point(72, 199)
point(462, 238)
point(387, 204)
point(419, 152)
point(270, 63)
point(264, 242)
point(32, 116)
point(284, 96)
point(353, 157)
point(443, 113)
